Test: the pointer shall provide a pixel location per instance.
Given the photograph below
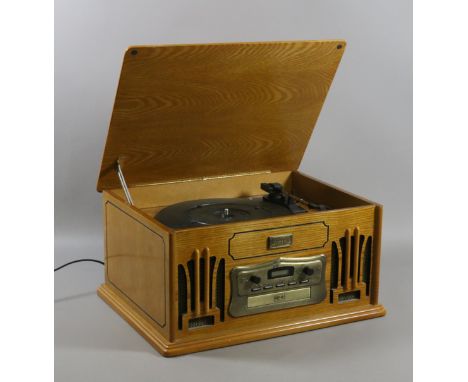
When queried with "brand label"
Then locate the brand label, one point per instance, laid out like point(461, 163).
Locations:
point(278, 298)
point(280, 241)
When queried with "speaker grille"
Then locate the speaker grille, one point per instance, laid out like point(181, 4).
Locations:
point(349, 296)
point(334, 269)
point(204, 283)
point(350, 265)
point(191, 269)
point(182, 288)
point(366, 274)
point(212, 266)
point(220, 287)
point(200, 322)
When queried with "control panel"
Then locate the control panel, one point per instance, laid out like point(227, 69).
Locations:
point(277, 284)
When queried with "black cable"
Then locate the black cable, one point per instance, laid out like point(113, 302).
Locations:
point(78, 261)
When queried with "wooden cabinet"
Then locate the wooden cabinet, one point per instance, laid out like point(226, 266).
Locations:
point(214, 121)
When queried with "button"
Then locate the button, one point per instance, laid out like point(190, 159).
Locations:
point(292, 283)
point(280, 285)
point(256, 289)
point(308, 271)
point(268, 287)
point(255, 279)
point(304, 281)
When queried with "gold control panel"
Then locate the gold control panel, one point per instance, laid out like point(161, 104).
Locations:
point(277, 284)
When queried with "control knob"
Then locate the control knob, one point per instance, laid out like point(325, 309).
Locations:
point(255, 279)
point(308, 271)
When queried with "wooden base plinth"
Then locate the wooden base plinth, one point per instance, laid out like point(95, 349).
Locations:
point(170, 349)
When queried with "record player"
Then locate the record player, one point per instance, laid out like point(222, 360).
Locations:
point(212, 235)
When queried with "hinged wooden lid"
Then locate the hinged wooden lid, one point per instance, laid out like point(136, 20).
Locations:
point(194, 111)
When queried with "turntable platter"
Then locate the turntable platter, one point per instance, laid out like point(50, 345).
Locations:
point(197, 213)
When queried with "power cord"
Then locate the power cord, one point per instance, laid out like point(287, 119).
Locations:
point(78, 261)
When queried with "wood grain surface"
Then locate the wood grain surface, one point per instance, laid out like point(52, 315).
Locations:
point(253, 243)
point(191, 111)
point(136, 262)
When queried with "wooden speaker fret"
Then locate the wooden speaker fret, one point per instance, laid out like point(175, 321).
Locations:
point(356, 258)
point(196, 258)
point(206, 257)
point(347, 264)
point(203, 271)
point(350, 267)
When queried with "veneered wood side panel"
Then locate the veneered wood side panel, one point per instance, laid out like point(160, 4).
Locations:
point(137, 261)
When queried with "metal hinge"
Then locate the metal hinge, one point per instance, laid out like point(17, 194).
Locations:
point(123, 183)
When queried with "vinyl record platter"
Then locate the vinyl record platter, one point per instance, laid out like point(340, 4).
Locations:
point(230, 210)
